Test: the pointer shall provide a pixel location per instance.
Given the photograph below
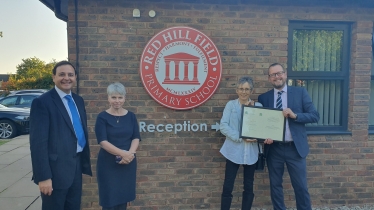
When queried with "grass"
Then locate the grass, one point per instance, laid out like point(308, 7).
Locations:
point(3, 141)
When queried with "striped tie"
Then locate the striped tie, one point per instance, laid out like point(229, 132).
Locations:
point(279, 100)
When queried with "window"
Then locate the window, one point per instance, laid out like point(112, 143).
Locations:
point(371, 107)
point(319, 61)
point(9, 101)
point(26, 100)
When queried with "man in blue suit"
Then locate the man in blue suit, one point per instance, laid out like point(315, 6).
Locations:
point(298, 110)
point(59, 142)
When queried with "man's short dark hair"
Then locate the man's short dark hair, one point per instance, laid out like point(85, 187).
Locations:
point(61, 63)
point(276, 64)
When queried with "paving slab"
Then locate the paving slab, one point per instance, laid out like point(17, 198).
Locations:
point(36, 205)
point(29, 175)
point(17, 191)
point(19, 140)
point(7, 179)
point(22, 165)
point(8, 147)
point(22, 150)
point(22, 188)
point(20, 203)
point(11, 158)
point(3, 165)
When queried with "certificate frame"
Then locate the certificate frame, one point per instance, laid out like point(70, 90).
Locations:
point(261, 123)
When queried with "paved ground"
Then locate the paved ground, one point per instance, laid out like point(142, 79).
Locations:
point(17, 191)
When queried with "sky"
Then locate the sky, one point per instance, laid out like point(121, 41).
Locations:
point(30, 29)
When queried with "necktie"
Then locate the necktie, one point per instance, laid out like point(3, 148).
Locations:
point(279, 100)
point(76, 121)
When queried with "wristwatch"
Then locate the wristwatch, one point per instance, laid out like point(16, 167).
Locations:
point(295, 116)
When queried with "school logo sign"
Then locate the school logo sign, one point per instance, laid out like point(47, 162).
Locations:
point(180, 68)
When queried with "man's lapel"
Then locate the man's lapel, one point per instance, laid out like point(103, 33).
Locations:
point(61, 108)
point(290, 97)
point(271, 98)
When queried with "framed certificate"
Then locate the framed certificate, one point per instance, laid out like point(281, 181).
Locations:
point(261, 123)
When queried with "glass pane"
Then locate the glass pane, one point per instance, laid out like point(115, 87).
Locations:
point(9, 101)
point(26, 99)
point(327, 98)
point(371, 107)
point(317, 50)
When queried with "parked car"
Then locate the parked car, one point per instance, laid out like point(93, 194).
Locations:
point(19, 100)
point(13, 122)
point(16, 92)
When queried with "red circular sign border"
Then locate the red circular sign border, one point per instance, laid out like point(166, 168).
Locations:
point(219, 69)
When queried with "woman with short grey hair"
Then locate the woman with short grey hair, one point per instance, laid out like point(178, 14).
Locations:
point(117, 132)
point(116, 88)
point(246, 79)
point(236, 150)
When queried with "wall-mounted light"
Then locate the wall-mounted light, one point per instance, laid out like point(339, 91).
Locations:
point(152, 13)
point(136, 13)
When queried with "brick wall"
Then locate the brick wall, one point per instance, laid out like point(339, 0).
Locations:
point(186, 170)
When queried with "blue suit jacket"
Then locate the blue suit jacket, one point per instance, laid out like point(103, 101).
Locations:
point(53, 142)
point(300, 103)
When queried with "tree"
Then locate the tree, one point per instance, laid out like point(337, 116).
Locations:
point(32, 73)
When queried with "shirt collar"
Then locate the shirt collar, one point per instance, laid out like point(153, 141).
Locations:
point(284, 90)
point(61, 93)
point(238, 102)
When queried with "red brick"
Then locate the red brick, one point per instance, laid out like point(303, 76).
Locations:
point(249, 37)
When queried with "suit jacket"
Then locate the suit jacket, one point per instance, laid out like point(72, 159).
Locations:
point(300, 103)
point(53, 142)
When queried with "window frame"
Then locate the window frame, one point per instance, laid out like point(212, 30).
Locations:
point(371, 127)
point(342, 75)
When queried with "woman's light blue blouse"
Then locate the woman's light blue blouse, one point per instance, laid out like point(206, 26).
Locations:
point(234, 148)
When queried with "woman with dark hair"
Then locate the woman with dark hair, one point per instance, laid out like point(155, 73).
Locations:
point(236, 150)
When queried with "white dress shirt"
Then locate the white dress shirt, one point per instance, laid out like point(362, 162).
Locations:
point(65, 102)
point(234, 148)
point(287, 135)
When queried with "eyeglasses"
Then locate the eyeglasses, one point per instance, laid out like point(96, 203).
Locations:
point(244, 89)
point(278, 74)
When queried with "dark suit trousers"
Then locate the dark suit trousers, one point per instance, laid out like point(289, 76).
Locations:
point(66, 199)
point(279, 154)
point(119, 207)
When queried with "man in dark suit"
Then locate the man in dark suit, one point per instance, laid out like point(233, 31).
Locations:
point(59, 142)
point(298, 110)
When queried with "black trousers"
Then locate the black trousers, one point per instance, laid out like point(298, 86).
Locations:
point(230, 175)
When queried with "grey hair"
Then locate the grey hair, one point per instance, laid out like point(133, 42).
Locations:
point(116, 88)
point(245, 79)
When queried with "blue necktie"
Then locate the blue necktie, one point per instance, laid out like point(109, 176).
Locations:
point(76, 121)
point(279, 100)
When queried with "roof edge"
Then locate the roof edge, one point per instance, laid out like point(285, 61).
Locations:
point(55, 6)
